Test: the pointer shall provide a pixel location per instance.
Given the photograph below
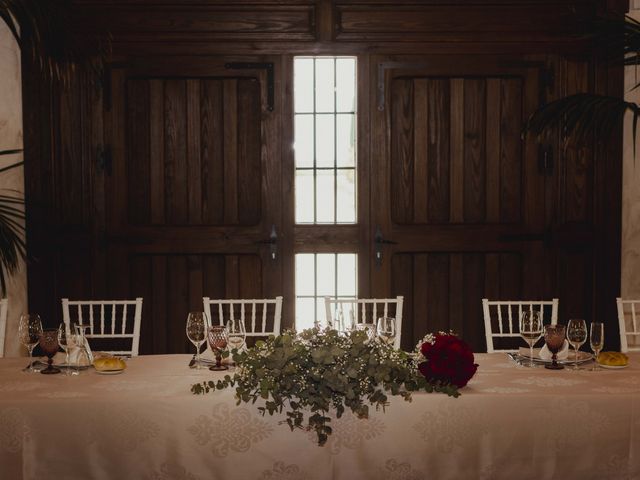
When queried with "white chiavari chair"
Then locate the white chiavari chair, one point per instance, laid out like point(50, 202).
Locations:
point(366, 310)
point(108, 320)
point(502, 318)
point(629, 321)
point(261, 317)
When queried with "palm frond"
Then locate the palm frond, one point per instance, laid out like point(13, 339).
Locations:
point(12, 237)
point(579, 116)
point(10, 152)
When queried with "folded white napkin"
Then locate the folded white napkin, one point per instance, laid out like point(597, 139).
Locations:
point(545, 354)
point(75, 356)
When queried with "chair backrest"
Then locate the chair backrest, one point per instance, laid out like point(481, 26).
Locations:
point(629, 324)
point(502, 318)
point(261, 317)
point(107, 319)
point(4, 306)
point(366, 310)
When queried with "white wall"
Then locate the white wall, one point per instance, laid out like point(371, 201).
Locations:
point(10, 138)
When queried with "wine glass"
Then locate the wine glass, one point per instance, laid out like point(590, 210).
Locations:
point(49, 345)
point(577, 335)
point(387, 330)
point(368, 328)
point(554, 338)
point(29, 330)
point(85, 356)
point(597, 341)
point(237, 334)
point(196, 329)
point(218, 339)
point(63, 341)
point(531, 330)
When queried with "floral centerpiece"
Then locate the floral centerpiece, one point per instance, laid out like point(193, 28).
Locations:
point(319, 372)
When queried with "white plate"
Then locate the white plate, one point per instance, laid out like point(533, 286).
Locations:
point(613, 367)
point(582, 357)
point(110, 372)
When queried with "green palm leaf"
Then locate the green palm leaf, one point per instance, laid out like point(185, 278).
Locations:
point(12, 237)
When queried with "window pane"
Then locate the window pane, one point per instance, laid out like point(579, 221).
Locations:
point(325, 136)
point(325, 196)
point(346, 140)
point(304, 196)
point(347, 275)
point(303, 84)
point(304, 140)
point(324, 85)
point(345, 84)
point(305, 274)
point(326, 274)
point(305, 313)
point(316, 278)
point(346, 196)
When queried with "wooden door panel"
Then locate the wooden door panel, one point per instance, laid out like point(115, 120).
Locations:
point(194, 154)
point(174, 284)
point(456, 150)
point(443, 290)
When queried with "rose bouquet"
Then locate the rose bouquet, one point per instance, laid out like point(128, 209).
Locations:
point(445, 359)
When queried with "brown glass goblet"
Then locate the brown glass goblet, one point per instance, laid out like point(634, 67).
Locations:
point(554, 338)
point(218, 338)
point(49, 345)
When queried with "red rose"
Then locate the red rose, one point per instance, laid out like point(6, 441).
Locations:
point(448, 360)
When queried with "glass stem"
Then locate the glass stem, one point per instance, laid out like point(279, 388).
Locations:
point(575, 347)
point(197, 356)
point(531, 355)
point(31, 347)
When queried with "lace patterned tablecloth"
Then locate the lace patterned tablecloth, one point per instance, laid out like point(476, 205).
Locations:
point(510, 422)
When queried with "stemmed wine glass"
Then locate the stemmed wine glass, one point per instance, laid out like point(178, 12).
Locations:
point(85, 355)
point(531, 330)
point(64, 342)
point(368, 328)
point(597, 341)
point(218, 339)
point(387, 330)
point(554, 338)
point(236, 333)
point(196, 329)
point(29, 331)
point(577, 335)
point(49, 345)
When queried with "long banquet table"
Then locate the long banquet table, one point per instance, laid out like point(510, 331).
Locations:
point(510, 422)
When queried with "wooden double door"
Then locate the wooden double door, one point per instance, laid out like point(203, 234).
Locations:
point(196, 193)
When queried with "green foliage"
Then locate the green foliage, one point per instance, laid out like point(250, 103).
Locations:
point(320, 372)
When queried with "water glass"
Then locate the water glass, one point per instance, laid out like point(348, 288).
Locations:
point(218, 340)
point(237, 334)
point(29, 331)
point(368, 328)
point(531, 330)
point(554, 338)
point(576, 335)
point(387, 330)
point(597, 341)
point(49, 345)
point(196, 329)
point(64, 339)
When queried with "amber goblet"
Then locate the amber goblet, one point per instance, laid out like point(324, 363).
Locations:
point(218, 338)
point(554, 338)
point(49, 345)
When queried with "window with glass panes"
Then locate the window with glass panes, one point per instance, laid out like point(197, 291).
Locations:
point(325, 176)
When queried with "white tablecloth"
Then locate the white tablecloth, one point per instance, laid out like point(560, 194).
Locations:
point(510, 422)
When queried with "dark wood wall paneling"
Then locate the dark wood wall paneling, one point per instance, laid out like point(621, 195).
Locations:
point(462, 165)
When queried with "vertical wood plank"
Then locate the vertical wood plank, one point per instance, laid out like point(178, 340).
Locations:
point(402, 284)
point(249, 166)
point(421, 127)
point(196, 282)
point(473, 290)
point(510, 150)
point(456, 292)
point(493, 149)
point(474, 150)
point(438, 287)
point(212, 152)
point(175, 162)
point(423, 318)
point(156, 150)
point(231, 276)
point(438, 151)
point(138, 151)
point(214, 278)
point(177, 304)
point(402, 150)
point(230, 115)
point(141, 278)
point(158, 304)
point(457, 149)
point(250, 276)
point(194, 168)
